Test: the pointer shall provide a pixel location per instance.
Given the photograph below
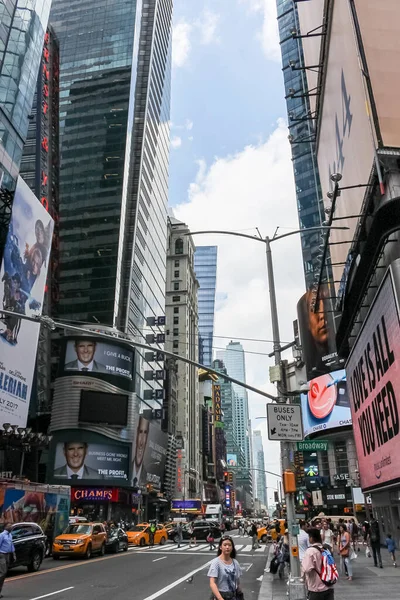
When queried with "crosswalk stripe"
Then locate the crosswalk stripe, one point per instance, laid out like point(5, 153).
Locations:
point(262, 549)
point(247, 548)
point(239, 547)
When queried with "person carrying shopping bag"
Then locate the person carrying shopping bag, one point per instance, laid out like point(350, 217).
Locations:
point(225, 572)
point(210, 538)
point(344, 551)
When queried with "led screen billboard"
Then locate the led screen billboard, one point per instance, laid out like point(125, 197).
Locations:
point(22, 285)
point(82, 461)
point(89, 356)
point(231, 460)
point(149, 455)
point(103, 408)
point(373, 370)
point(326, 405)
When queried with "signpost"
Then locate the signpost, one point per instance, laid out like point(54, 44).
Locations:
point(285, 422)
point(312, 446)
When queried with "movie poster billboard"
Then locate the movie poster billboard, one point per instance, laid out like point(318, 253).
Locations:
point(149, 455)
point(84, 461)
point(317, 333)
point(373, 370)
point(22, 284)
point(88, 355)
point(326, 405)
point(231, 460)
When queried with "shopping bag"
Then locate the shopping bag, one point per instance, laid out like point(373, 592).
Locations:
point(352, 555)
point(367, 552)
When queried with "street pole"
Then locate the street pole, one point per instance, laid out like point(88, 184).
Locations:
point(285, 446)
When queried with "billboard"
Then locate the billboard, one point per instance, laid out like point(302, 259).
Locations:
point(102, 408)
point(373, 370)
point(22, 284)
point(149, 455)
point(82, 461)
point(317, 333)
point(90, 356)
point(326, 405)
point(231, 460)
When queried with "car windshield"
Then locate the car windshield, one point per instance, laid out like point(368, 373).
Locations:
point(137, 528)
point(77, 528)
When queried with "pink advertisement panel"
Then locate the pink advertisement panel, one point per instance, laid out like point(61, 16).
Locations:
point(373, 378)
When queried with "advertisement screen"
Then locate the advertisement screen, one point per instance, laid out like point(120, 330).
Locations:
point(89, 356)
point(79, 460)
point(231, 459)
point(317, 333)
point(100, 407)
point(22, 284)
point(326, 405)
point(149, 455)
point(373, 371)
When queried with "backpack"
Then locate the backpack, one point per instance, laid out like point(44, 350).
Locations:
point(329, 573)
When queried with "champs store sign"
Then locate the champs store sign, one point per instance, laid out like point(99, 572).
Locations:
point(94, 494)
point(373, 376)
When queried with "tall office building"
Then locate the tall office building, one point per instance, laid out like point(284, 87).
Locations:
point(302, 136)
point(205, 265)
point(23, 27)
point(260, 491)
point(114, 136)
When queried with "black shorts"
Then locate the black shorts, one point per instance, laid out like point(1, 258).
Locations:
point(326, 595)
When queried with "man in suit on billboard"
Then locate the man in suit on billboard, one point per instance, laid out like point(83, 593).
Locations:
point(85, 351)
point(75, 468)
point(142, 434)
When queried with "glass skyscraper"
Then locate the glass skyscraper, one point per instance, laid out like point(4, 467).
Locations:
point(114, 136)
point(259, 467)
point(205, 266)
point(308, 189)
point(22, 29)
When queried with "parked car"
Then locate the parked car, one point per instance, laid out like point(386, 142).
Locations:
point(116, 540)
point(30, 546)
point(81, 539)
point(140, 534)
point(201, 529)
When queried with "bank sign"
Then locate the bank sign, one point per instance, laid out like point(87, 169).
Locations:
point(373, 377)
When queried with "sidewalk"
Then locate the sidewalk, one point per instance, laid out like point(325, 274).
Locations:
point(369, 583)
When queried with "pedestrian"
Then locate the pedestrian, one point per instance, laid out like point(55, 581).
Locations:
point(153, 530)
point(254, 535)
point(374, 542)
point(225, 572)
point(391, 546)
point(7, 551)
point(210, 538)
point(302, 539)
point(192, 535)
point(344, 550)
point(354, 534)
point(222, 528)
point(327, 536)
point(241, 528)
point(179, 533)
point(284, 554)
point(312, 568)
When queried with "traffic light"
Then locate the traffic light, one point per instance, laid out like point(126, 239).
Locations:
point(226, 476)
point(230, 477)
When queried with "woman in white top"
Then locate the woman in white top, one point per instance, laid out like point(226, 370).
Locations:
point(327, 535)
point(225, 572)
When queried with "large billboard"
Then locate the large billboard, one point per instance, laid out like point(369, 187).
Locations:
point(90, 356)
point(88, 462)
point(22, 284)
point(231, 460)
point(326, 405)
point(317, 333)
point(373, 371)
point(149, 455)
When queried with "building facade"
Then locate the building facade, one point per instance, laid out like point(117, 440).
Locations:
point(23, 31)
point(182, 339)
point(114, 138)
point(205, 265)
point(260, 487)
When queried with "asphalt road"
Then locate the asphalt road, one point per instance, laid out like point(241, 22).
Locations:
point(163, 572)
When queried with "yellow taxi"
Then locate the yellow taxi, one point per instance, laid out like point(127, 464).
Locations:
point(81, 539)
point(269, 532)
point(139, 535)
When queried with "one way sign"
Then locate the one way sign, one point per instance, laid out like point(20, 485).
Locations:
point(284, 422)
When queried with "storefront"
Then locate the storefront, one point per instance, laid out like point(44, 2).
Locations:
point(102, 504)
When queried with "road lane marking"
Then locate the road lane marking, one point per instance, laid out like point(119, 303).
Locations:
point(53, 593)
point(161, 558)
point(177, 582)
point(247, 548)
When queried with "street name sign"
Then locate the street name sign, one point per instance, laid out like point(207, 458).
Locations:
point(284, 422)
point(312, 446)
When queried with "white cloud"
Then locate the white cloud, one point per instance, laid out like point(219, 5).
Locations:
point(189, 125)
point(207, 26)
point(269, 34)
point(176, 142)
point(239, 192)
point(181, 43)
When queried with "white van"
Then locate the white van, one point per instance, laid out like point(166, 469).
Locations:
point(214, 513)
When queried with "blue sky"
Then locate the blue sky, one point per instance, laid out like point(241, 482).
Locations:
point(231, 169)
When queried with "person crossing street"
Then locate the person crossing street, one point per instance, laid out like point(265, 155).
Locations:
point(7, 551)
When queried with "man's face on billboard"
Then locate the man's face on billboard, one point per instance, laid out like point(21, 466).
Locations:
point(318, 323)
point(85, 351)
point(75, 454)
point(141, 440)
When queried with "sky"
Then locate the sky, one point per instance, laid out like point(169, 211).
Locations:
point(231, 169)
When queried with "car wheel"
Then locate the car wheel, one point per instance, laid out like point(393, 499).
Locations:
point(36, 561)
point(115, 547)
point(88, 553)
point(142, 542)
point(56, 557)
point(162, 541)
point(125, 548)
point(264, 538)
point(103, 550)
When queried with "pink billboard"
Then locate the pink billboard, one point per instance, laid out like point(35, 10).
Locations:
point(373, 378)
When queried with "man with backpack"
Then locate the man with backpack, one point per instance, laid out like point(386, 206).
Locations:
point(374, 542)
point(319, 569)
